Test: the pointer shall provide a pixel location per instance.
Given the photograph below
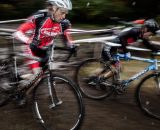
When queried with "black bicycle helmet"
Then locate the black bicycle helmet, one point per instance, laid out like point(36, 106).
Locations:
point(151, 25)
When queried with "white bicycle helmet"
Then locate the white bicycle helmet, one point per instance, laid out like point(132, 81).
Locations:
point(61, 3)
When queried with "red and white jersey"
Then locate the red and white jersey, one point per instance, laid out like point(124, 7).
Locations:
point(46, 31)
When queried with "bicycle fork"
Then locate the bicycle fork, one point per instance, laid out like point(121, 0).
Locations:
point(52, 92)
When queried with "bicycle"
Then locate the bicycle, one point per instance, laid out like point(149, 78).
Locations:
point(57, 105)
point(95, 87)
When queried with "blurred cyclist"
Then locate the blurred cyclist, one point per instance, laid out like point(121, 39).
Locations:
point(45, 25)
point(130, 35)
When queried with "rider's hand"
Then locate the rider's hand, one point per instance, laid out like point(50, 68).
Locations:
point(34, 46)
point(127, 55)
point(38, 50)
point(73, 49)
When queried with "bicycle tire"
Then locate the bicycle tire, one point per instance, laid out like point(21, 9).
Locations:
point(6, 77)
point(65, 116)
point(148, 95)
point(87, 69)
point(4, 97)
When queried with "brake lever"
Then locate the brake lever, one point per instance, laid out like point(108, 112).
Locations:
point(72, 54)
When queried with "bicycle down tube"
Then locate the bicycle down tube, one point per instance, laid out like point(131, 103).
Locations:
point(153, 66)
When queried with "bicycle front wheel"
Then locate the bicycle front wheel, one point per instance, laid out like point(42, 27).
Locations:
point(58, 106)
point(85, 77)
point(148, 95)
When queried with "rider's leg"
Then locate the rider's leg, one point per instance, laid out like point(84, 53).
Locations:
point(107, 54)
point(34, 66)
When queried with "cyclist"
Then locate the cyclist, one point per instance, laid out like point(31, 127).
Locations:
point(131, 35)
point(45, 25)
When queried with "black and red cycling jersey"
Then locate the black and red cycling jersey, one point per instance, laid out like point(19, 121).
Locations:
point(126, 37)
point(39, 24)
point(130, 35)
point(39, 27)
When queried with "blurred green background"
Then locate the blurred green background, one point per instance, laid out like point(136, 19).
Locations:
point(86, 11)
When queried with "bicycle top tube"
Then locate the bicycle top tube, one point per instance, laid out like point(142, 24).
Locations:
point(153, 66)
point(149, 60)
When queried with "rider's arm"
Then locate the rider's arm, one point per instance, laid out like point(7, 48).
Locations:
point(21, 33)
point(148, 44)
point(126, 34)
point(65, 25)
point(68, 37)
point(123, 42)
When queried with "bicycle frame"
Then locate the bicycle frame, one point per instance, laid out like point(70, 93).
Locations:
point(34, 82)
point(29, 87)
point(152, 66)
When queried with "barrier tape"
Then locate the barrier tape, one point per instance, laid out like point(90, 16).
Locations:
point(11, 21)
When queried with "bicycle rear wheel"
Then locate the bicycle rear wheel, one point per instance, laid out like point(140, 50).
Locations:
point(4, 97)
point(84, 76)
point(6, 77)
point(65, 110)
point(148, 95)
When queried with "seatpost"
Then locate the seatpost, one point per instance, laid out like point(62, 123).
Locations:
point(51, 57)
point(15, 60)
point(155, 60)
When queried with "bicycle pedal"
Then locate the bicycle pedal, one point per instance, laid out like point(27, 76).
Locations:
point(106, 83)
point(94, 80)
point(55, 104)
point(92, 83)
point(22, 102)
point(59, 103)
point(120, 91)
